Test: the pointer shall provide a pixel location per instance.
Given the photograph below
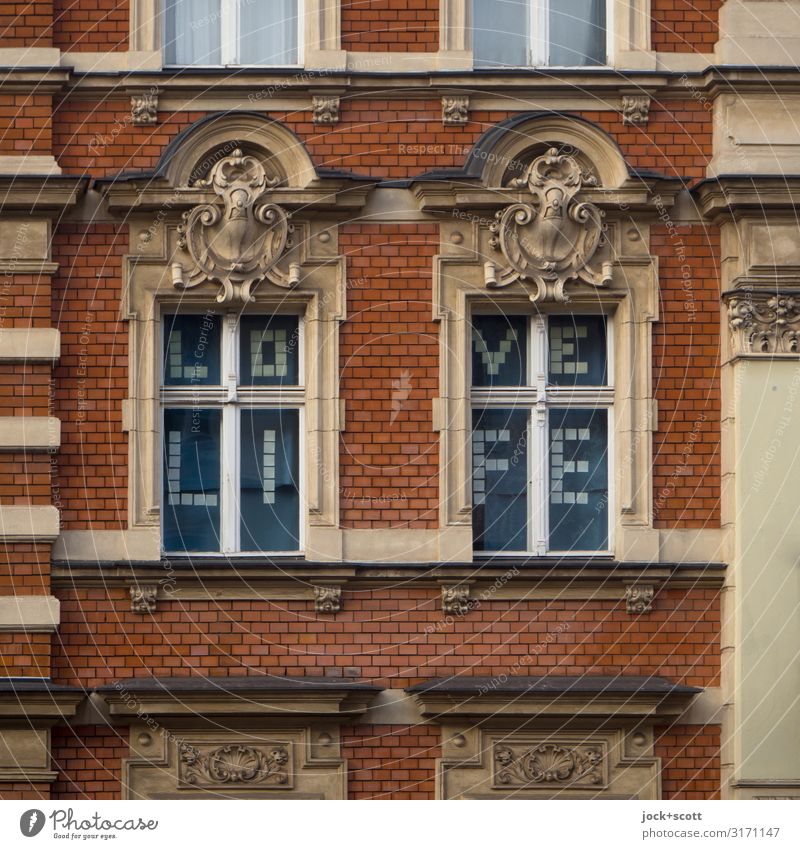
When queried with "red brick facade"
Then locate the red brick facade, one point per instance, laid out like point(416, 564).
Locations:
point(391, 378)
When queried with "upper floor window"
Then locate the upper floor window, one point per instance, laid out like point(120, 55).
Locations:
point(232, 403)
point(231, 32)
point(542, 404)
point(524, 33)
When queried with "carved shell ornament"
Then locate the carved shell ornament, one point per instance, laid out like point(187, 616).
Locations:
point(237, 240)
point(552, 240)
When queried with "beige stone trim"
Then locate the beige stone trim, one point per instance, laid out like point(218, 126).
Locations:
point(35, 57)
point(29, 344)
point(29, 433)
point(25, 755)
point(407, 545)
point(23, 166)
point(29, 613)
point(759, 32)
point(98, 546)
point(28, 523)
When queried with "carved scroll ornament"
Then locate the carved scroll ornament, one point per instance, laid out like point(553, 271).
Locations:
point(764, 324)
point(233, 764)
point(549, 763)
point(237, 240)
point(552, 240)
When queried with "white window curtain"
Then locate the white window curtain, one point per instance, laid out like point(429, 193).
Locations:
point(500, 33)
point(577, 32)
point(193, 32)
point(239, 32)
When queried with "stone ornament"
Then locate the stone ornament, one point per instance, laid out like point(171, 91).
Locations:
point(237, 240)
point(455, 600)
point(234, 764)
point(635, 109)
point(764, 324)
point(455, 111)
point(325, 109)
point(639, 598)
point(144, 109)
point(327, 599)
point(143, 599)
point(552, 240)
point(550, 764)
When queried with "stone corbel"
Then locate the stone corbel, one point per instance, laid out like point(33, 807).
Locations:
point(639, 598)
point(635, 109)
point(144, 108)
point(325, 109)
point(455, 110)
point(327, 599)
point(144, 599)
point(456, 599)
point(763, 323)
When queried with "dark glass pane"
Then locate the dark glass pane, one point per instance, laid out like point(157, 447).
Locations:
point(192, 32)
point(499, 350)
point(270, 500)
point(192, 349)
point(578, 480)
point(191, 502)
point(577, 32)
point(577, 350)
point(269, 350)
point(500, 480)
point(500, 33)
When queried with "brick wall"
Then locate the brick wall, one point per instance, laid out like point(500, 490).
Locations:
point(10, 790)
point(24, 569)
point(690, 761)
point(96, 27)
point(88, 759)
point(686, 362)
point(25, 124)
point(685, 26)
point(407, 26)
point(91, 378)
point(395, 637)
point(391, 761)
point(23, 655)
point(389, 353)
point(26, 24)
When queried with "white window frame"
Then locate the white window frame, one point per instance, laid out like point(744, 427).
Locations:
point(539, 37)
point(229, 39)
point(231, 399)
point(539, 398)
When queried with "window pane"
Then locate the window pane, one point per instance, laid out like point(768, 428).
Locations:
point(578, 354)
point(500, 480)
point(191, 480)
point(192, 350)
point(268, 350)
point(270, 500)
point(192, 32)
point(500, 33)
point(578, 480)
point(577, 32)
point(499, 350)
point(268, 32)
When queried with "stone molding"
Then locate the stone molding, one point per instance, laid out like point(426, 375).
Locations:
point(29, 614)
point(29, 433)
point(763, 323)
point(27, 523)
point(33, 345)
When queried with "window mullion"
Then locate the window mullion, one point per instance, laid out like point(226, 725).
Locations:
point(229, 32)
point(539, 32)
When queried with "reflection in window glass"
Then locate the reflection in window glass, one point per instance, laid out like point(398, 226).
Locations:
point(191, 477)
point(578, 480)
point(269, 503)
point(500, 480)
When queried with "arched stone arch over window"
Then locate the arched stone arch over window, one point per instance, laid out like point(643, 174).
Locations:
point(545, 220)
point(236, 222)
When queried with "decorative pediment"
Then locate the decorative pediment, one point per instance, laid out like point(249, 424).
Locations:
point(553, 239)
point(764, 323)
point(236, 240)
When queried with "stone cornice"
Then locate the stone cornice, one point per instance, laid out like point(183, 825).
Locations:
point(37, 701)
point(729, 196)
point(558, 697)
point(251, 696)
point(32, 193)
